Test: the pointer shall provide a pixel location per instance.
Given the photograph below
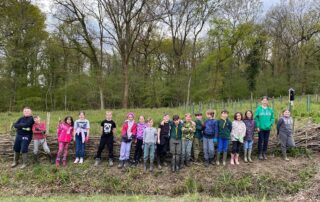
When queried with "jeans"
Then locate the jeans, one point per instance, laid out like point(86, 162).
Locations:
point(223, 145)
point(286, 142)
point(186, 150)
point(63, 150)
point(247, 145)
point(138, 151)
point(175, 150)
point(236, 147)
point(37, 143)
point(80, 147)
point(125, 151)
point(208, 148)
point(263, 141)
point(105, 140)
point(149, 149)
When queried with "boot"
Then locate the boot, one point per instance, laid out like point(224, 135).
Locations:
point(97, 162)
point(260, 157)
point(224, 161)
point(50, 158)
point(16, 157)
point(236, 159)
point(245, 156)
point(126, 163)
point(264, 155)
point(177, 164)
point(121, 164)
point(57, 163)
point(151, 166)
point(36, 158)
point(173, 165)
point(145, 166)
point(159, 163)
point(232, 159)
point(285, 157)
point(218, 159)
point(249, 155)
point(206, 163)
point(24, 160)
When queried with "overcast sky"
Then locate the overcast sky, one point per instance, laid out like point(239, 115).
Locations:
point(45, 6)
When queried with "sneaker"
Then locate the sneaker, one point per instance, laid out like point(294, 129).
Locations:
point(81, 161)
point(97, 162)
point(110, 162)
point(76, 161)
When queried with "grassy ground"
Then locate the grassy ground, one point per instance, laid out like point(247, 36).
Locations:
point(96, 116)
point(248, 182)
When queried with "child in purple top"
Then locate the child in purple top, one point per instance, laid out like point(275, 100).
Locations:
point(248, 139)
point(139, 140)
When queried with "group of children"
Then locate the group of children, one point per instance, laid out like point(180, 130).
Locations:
point(178, 136)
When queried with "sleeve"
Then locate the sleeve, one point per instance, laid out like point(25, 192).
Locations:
point(230, 126)
point(43, 126)
point(144, 135)
point(59, 130)
point(88, 124)
point(114, 124)
point(134, 129)
point(124, 129)
point(198, 125)
point(216, 128)
point(75, 125)
point(272, 118)
point(256, 117)
point(102, 123)
point(279, 125)
point(34, 128)
point(27, 124)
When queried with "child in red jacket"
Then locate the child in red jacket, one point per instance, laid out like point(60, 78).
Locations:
point(39, 138)
point(64, 132)
point(129, 131)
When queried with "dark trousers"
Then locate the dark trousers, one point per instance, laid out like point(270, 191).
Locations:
point(161, 152)
point(236, 147)
point(263, 141)
point(21, 144)
point(138, 151)
point(105, 140)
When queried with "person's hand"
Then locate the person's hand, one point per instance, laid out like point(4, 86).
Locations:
point(215, 140)
point(158, 141)
point(258, 130)
point(87, 139)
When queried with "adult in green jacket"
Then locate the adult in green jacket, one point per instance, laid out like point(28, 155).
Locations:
point(264, 117)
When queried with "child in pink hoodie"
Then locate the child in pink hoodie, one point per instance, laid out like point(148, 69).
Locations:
point(64, 131)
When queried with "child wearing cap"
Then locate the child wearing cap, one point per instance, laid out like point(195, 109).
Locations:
point(129, 131)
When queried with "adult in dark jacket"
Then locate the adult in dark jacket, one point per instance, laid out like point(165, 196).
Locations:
point(23, 137)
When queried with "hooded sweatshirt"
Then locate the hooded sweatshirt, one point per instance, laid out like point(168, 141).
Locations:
point(264, 118)
point(238, 131)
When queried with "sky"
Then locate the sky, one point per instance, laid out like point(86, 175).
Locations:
point(46, 6)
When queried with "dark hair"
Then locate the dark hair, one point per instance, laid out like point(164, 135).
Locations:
point(245, 114)
point(224, 111)
point(82, 112)
point(265, 97)
point(69, 117)
point(175, 117)
point(235, 115)
point(198, 114)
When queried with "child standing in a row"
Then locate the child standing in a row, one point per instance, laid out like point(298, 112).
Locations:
point(210, 134)
point(141, 126)
point(149, 142)
point(237, 134)
point(64, 132)
point(81, 136)
point(248, 139)
point(188, 130)
point(225, 127)
point(129, 131)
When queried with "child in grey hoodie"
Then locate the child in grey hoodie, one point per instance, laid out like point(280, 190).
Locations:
point(285, 133)
point(149, 142)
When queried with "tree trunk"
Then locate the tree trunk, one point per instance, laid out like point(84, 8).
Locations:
point(101, 98)
point(188, 91)
point(126, 84)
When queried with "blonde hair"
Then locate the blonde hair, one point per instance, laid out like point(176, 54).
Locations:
point(187, 115)
point(210, 112)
